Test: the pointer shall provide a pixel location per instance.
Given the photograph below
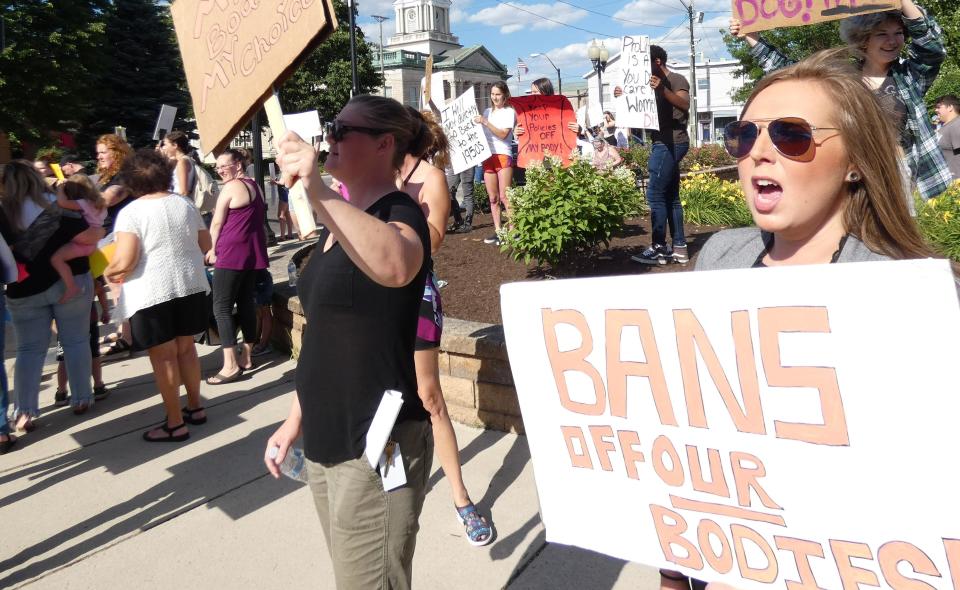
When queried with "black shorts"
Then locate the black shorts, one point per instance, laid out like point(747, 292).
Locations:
point(160, 323)
point(263, 288)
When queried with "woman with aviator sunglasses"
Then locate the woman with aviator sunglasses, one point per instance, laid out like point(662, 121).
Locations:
point(899, 84)
point(818, 164)
point(362, 287)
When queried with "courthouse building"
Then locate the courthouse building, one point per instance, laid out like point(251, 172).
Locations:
point(422, 30)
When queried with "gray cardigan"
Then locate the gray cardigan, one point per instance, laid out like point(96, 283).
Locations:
point(740, 248)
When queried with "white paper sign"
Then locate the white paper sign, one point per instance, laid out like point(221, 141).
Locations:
point(306, 125)
point(791, 427)
point(437, 95)
point(165, 119)
point(382, 425)
point(637, 106)
point(468, 145)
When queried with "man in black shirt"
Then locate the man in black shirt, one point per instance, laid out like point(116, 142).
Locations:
point(670, 145)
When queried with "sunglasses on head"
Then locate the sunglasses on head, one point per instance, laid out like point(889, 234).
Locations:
point(792, 136)
point(337, 131)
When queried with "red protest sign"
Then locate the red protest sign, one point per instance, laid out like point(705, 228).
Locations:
point(545, 120)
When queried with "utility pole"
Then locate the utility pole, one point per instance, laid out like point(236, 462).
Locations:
point(355, 89)
point(380, 20)
point(694, 122)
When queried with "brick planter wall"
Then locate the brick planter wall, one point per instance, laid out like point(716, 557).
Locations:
point(474, 369)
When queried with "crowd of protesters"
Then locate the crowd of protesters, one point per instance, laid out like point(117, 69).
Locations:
point(827, 177)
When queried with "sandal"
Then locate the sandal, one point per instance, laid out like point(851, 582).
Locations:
point(221, 379)
point(25, 423)
point(169, 434)
point(188, 416)
point(478, 531)
point(118, 347)
point(6, 445)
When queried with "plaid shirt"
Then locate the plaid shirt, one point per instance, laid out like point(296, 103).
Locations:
point(912, 77)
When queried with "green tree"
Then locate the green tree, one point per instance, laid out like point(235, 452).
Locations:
point(48, 64)
point(144, 71)
point(323, 81)
point(795, 42)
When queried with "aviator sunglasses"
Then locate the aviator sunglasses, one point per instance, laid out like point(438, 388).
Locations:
point(792, 136)
point(337, 130)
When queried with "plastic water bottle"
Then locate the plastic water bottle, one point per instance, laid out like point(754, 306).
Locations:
point(294, 465)
point(292, 274)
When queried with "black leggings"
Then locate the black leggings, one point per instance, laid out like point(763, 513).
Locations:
point(229, 287)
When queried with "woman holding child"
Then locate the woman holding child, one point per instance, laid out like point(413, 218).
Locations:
point(35, 228)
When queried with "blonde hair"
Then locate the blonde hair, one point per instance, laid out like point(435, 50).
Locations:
point(121, 151)
point(79, 186)
point(439, 149)
point(876, 206)
point(21, 183)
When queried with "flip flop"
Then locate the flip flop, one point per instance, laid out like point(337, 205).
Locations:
point(222, 379)
point(169, 434)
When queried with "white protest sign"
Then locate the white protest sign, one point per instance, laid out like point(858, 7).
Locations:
point(790, 427)
point(468, 145)
point(165, 119)
point(306, 125)
point(637, 105)
point(437, 95)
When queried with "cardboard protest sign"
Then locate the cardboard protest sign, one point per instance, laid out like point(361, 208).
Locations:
point(468, 144)
point(297, 196)
point(545, 120)
point(637, 105)
point(165, 119)
point(760, 15)
point(789, 427)
point(234, 53)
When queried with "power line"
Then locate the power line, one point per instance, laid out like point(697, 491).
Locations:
point(616, 18)
point(670, 32)
point(561, 23)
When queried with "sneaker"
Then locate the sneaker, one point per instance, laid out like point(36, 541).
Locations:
point(680, 255)
point(494, 239)
point(100, 392)
point(463, 228)
point(261, 350)
point(655, 254)
point(61, 398)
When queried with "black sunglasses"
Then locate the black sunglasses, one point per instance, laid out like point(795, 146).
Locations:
point(337, 130)
point(792, 136)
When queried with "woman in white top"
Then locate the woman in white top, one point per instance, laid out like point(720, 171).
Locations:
point(176, 146)
point(498, 123)
point(161, 241)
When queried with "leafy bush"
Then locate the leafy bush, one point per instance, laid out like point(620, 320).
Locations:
point(708, 200)
point(711, 155)
point(563, 211)
point(939, 221)
point(635, 158)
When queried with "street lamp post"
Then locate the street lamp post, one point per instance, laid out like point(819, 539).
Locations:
point(559, 81)
point(598, 55)
point(380, 20)
point(355, 88)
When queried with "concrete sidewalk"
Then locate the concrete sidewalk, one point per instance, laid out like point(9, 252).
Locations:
point(85, 503)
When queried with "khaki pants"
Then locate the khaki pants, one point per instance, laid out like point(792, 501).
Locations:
point(371, 534)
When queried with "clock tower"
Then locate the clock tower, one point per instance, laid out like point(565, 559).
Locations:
point(423, 26)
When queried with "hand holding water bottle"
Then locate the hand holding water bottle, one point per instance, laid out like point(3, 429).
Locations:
point(282, 441)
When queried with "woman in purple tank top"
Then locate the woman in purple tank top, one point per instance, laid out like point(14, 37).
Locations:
point(239, 250)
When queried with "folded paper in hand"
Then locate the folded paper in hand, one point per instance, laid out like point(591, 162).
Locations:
point(382, 425)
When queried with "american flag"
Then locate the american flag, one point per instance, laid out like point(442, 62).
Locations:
point(522, 66)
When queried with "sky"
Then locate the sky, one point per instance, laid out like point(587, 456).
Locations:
point(563, 30)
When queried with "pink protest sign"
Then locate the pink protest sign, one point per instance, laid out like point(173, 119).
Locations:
point(760, 15)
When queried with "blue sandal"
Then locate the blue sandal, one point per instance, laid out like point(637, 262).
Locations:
point(478, 531)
